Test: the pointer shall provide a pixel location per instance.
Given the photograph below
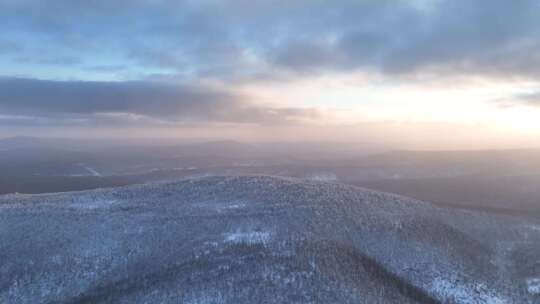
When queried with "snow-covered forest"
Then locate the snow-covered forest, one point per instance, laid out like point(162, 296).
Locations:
point(259, 239)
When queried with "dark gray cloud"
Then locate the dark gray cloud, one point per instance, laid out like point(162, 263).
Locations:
point(53, 60)
point(530, 99)
point(140, 102)
point(494, 38)
point(106, 68)
point(490, 38)
point(9, 47)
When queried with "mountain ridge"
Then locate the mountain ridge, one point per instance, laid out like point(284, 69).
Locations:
point(259, 238)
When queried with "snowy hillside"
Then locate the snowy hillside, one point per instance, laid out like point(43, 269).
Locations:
point(259, 239)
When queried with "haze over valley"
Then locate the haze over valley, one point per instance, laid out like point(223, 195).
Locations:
point(498, 180)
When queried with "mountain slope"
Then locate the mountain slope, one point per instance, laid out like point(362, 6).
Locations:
point(249, 239)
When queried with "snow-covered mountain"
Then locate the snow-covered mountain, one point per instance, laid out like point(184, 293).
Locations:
point(260, 239)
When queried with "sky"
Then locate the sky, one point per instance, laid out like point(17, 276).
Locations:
point(424, 73)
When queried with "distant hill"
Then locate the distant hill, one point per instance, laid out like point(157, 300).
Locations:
point(18, 142)
point(259, 239)
point(477, 161)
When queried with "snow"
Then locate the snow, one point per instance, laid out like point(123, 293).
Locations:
point(222, 206)
point(251, 237)
point(323, 177)
point(93, 205)
point(233, 206)
point(535, 227)
point(453, 290)
point(92, 171)
point(533, 286)
point(205, 297)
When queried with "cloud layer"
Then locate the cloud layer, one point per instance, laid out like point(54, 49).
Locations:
point(135, 101)
point(226, 38)
point(120, 52)
point(530, 99)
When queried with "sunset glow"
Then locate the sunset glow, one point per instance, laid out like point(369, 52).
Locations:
point(255, 65)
